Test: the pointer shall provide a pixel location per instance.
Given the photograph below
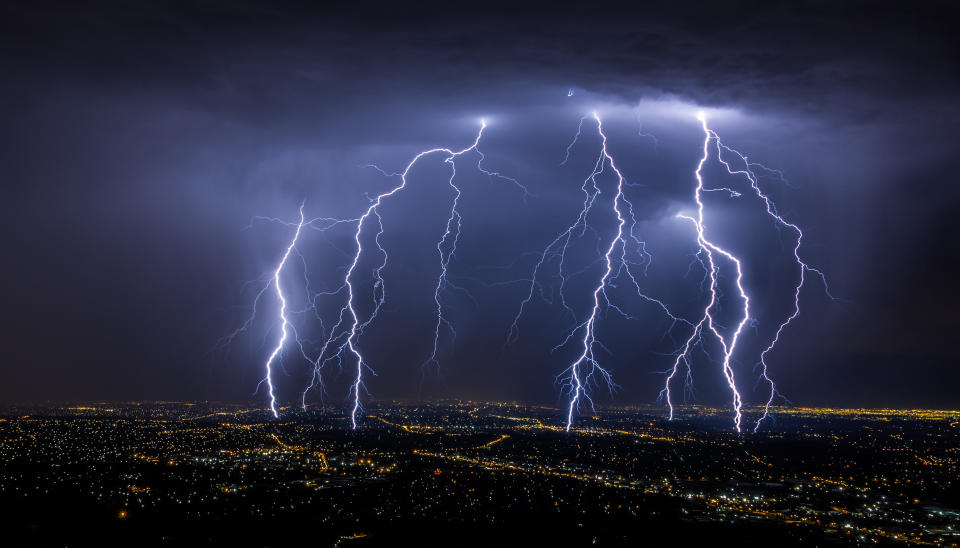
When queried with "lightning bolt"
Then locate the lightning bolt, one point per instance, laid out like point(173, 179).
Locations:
point(451, 237)
point(577, 376)
point(285, 324)
point(320, 224)
point(446, 248)
point(585, 372)
point(803, 268)
point(707, 250)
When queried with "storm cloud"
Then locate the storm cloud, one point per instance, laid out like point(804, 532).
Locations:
point(140, 141)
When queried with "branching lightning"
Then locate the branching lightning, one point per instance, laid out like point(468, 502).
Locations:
point(802, 266)
point(447, 245)
point(284, 321)
point(622, 258)
point(585, 372)
point(706, 255)
point(446, 248)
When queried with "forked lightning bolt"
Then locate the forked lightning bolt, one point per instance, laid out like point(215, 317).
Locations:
point(708, 249)
point(585, 372)
point(446, 248)
point(802, 266)
point(447, 245)
point(287, 328)
point(624, 256)
point(284, 322)
point(579, 377)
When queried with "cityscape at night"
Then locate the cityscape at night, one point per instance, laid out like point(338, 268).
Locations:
point(477, 474)
point(291, 273)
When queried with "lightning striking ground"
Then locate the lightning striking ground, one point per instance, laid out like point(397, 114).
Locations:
point(802, 266)
point(446, 248)
point(578, 378)
point(284, 321)
point(585, 372)
point(707, 249)
point(624, 256)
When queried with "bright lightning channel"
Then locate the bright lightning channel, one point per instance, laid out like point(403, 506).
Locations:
point(707, 250)
point(284, 321)
point(446, 248)
point(589, 326)
point(802, 266)
point(585, 371)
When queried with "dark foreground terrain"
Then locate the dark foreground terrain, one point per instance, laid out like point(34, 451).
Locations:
point(474, 474)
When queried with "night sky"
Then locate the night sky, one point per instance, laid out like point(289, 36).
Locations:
point(141, 139)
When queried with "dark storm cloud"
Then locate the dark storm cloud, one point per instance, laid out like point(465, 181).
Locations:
point(233, 54)
point(140, 139)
